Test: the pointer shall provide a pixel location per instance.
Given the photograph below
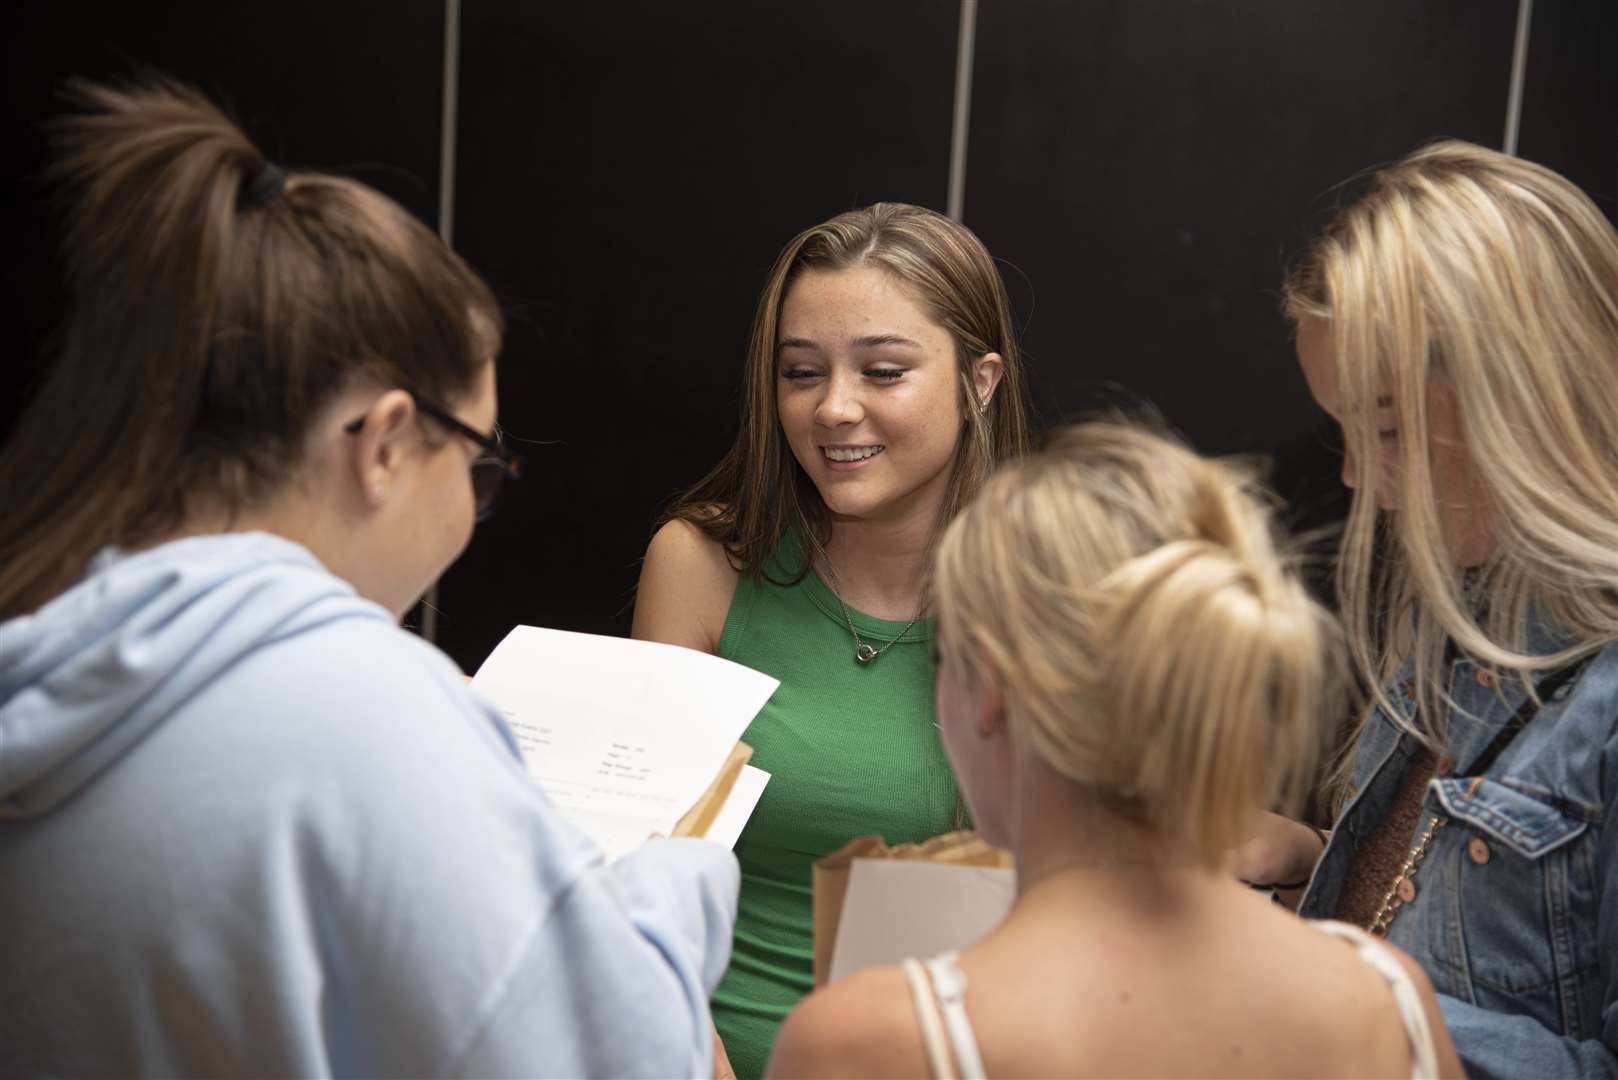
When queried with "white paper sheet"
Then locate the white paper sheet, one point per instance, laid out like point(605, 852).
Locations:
point(738, 807)
point(898, 908)
point(623, 735)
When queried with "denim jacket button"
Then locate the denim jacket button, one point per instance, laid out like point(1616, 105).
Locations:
point(1407, 890)
point(1478, 850)
point(1487, 678)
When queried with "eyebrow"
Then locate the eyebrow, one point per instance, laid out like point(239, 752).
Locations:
point(868, 341)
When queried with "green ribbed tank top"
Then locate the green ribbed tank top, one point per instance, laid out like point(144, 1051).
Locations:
point(852, 751)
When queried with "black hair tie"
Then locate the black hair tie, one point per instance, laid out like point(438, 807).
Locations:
point(266, 185)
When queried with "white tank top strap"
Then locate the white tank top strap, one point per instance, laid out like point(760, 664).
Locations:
point(1424, 1055)
point(932, 1027)
point(949, 983)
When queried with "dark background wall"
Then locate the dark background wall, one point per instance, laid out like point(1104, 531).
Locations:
point(344, 87)
point(1143, 169)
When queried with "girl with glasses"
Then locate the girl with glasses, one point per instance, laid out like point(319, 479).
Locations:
point(250, 824)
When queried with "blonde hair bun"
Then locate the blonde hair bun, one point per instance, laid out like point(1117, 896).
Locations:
point(1153, 643)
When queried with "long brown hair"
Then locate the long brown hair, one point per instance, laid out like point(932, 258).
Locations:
point(758, 491)
point(213, 311)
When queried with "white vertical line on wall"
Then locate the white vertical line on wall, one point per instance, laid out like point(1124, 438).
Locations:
point(1519, 67)
point(446, 209)
point(965, 47)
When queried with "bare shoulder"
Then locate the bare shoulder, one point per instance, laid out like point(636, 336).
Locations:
point(1449, 1062)
point(863, 1025)
point(686, 584)
point(1363, 1011)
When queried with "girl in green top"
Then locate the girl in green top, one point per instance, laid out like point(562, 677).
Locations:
point(882, 385)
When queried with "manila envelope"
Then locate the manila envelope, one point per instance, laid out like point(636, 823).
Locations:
point(933, 905)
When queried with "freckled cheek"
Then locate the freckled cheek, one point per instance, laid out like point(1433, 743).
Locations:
point(927, 418)
point(797, 425)
point(794, 417)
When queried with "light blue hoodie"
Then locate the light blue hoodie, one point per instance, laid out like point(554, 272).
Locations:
point(250, 826)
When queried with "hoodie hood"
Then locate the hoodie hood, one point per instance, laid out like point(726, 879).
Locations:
point(87, 676)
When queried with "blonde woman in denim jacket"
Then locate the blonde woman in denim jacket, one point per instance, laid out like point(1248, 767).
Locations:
point(1460, 322)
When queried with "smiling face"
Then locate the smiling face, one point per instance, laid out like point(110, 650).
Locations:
point(868, 395)
point(1459, 496)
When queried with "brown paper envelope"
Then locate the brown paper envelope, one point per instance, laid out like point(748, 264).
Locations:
point(830, 877)
point(829, 884)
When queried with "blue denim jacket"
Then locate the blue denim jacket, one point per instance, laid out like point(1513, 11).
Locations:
point(1515, 912)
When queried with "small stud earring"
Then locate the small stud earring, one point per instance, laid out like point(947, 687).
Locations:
point(381, 491)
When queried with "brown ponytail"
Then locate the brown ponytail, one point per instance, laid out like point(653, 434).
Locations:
point(208, 327)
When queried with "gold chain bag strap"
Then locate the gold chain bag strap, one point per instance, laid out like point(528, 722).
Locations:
point(1394, 899)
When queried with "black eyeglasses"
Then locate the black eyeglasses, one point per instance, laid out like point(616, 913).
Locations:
point(489, 470)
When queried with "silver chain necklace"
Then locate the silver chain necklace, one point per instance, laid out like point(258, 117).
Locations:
point(863, 652)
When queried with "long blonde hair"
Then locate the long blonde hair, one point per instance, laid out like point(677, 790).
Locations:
point(1153, 645)
point(758, 491)
point(1496, 280)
